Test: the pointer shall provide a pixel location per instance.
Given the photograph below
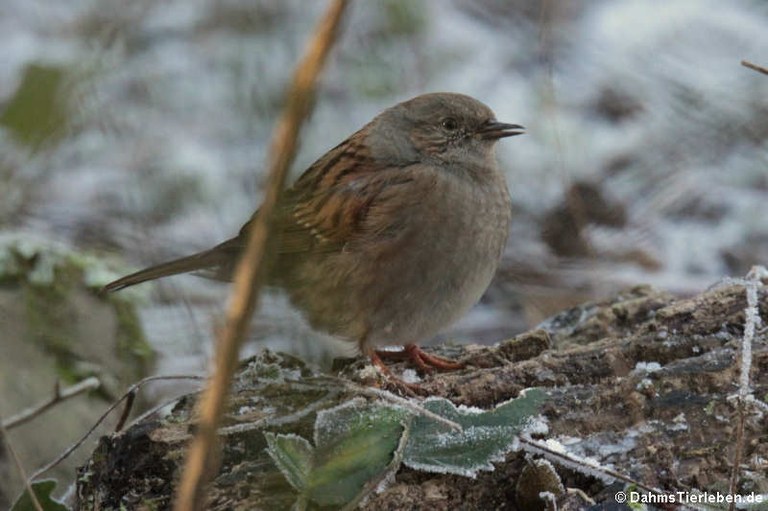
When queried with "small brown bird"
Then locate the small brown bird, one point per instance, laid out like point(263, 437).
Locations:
point(391, 235)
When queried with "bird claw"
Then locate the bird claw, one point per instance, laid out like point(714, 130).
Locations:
point(424, 361)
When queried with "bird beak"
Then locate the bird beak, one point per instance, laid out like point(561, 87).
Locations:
point(494, 130)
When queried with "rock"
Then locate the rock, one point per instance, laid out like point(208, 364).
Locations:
point(54, 327)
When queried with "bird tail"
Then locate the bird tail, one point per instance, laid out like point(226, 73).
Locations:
point(219, 256)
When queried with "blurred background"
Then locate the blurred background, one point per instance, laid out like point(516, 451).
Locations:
point(133, 132)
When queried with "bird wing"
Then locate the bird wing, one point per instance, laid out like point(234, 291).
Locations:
point(330, 204)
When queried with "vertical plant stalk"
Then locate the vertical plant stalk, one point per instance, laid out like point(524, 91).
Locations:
point(751, 319)
point(203, 456)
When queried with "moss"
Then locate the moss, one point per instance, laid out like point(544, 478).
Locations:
point(51, 322)
point(152, 504)
point(131, 342)
point(48, 278)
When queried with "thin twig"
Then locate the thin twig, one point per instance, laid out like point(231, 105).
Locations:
point(64, 455)
point(130, 398)
point(751, 320)
point(201, 458)
point(738, 451)
point(568, 461)
point(279, 421)
point(159, 407)
point(58, 396)
point(20, 468)
point(411, 406)
point(759, 69)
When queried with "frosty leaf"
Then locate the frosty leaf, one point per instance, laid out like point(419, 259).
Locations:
point(354, 446)
point(355, 443)
point(293, 456)
point(487, 435)
point(43, 490)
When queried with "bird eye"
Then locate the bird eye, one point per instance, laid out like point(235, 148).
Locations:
point(450, 124)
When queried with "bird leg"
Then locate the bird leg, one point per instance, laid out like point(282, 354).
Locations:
point(409, 389)
point(424, 361)
point(421, 359)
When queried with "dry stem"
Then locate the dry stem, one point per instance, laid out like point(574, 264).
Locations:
point(20, 468)
point(759, 69)
point(202, 459)
point(132, 390)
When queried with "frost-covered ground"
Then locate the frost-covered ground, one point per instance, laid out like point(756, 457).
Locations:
point(159, 150)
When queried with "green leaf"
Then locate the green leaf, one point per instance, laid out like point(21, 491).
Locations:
point(487, 436)
point(354, 446)
point(43, 490)
point(293, 456)
point(355, 443)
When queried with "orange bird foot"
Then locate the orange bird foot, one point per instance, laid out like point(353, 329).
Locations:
point(421, 359)
point(424, 361)
point(393, 382)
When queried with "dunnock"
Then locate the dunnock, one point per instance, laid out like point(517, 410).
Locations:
point(391, 235)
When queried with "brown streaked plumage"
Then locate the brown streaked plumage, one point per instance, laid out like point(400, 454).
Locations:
point(392, 234)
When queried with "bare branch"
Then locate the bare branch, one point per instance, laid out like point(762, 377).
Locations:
point(130, 398)
point(751, 320)
point(59, 396)
point(579, 465)
point(201, 460)
point(132, 390)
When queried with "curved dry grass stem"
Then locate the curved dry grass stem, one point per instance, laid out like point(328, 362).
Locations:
point(19, 467)
point(133, 389)
point(202, 457)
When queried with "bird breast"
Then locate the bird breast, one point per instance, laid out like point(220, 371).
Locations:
point(429, 246)
point(449, 238)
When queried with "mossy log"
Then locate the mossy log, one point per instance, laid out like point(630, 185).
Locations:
point(639, 383)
